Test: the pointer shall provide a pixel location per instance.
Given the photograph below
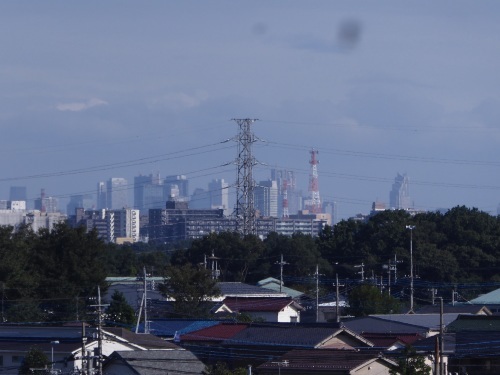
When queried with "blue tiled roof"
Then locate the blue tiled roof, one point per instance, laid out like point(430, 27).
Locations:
point(168, 328)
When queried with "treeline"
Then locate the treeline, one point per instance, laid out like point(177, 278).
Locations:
point(51, 275)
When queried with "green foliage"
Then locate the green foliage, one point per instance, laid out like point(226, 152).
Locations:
point(35, 359)
point(366, 299)
point(190, 287)
point(119, 312)
point(410, 363)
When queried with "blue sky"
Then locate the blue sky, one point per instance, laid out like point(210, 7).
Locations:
point(92, 90)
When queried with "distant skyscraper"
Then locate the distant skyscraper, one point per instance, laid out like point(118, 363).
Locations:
point(18, 193)
point(200, 199)
point(46, 204)
point(102, 201)
point(177, 185)
point(117, 193)
point(399, 196)
point(219, 195)
point(286, 180)
point(266, 198)
point(148, 192)
point(79, 201)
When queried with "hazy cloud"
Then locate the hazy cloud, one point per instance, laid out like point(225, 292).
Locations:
point(80, 106)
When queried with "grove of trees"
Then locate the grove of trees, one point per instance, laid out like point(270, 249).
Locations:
point(51, 275)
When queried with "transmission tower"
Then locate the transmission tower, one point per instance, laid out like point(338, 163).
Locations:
point(314, 203)
point(245, 210)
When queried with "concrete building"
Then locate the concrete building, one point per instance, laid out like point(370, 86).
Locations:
point(177, 186)
point(218, 191)
point(46, 204)
point(399, 197)
point(117, 193)
point(34, 218)
point(84, 201)
point(102, 202)
point(266, 198)
point(149, 192)
point(116, 226)
point(18, 193)
point(123, 223)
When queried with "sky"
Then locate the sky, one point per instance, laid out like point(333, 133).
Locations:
point(99, 89)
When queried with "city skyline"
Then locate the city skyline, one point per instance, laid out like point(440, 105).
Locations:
point(89, 93)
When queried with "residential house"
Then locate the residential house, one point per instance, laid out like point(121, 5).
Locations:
point(327, 361)
point(281, 310)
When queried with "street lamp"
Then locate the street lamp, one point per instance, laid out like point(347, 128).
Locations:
point(52, 343)
point(411, 227)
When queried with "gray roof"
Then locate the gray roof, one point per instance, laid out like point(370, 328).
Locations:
point(158, 362)
point(235, 289)
point(274, 284)
point(429, 321)
point(458, 308)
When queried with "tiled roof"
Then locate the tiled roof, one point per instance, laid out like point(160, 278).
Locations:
point(252, 304)
point(369, 324)
point(168, 327)
point(219, 332)
point(475, 323)
point(144, 340)
point(491, 298)
point(429, 321)
point(241, 289)
point(286, 335)
point(460, 309)
point(274, 284)
point(322, 360)
point(386, 340)
point(158, 362)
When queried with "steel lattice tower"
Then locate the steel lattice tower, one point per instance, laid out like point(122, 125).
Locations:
point(314, 205)
point(245, 210)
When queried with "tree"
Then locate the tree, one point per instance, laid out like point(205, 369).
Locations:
point(366, 299)
point(35, 359)
point(119, 311)
point(190, 287)
point(411, 364)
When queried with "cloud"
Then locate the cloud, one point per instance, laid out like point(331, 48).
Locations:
point(80, 106)
point(180, 100)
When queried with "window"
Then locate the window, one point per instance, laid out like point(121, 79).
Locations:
point(17, 359)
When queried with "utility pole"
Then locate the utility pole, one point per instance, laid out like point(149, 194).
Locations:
point(441, 340)
point(84, 350)
point(337, 297)
point(281, 264)
point(99, 330)
point(411, 228)
point(362, 272)
point(317, 292)
point(245, 210)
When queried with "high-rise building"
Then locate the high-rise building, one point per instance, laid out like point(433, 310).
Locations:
point(123, 224)
point(200, 199)
point(117, 193)
point(148, 192)
point(84, 201)
point(177, 187)
point(18, 193)
point(102, 201)
point(266, 198)
point(219, 195)
point(46, 204)
point(399, 197)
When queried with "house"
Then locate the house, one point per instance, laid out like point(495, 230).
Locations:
point(153, 362)
point(327, 361)
point(281, 310)
point(277, 286)
point(63, 344)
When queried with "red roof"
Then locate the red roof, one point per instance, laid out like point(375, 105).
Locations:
point(242, 304)
point(218, 332)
